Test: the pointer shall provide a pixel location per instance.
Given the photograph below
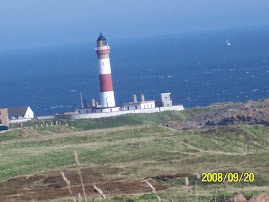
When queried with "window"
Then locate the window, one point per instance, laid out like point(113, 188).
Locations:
point(103, 63)
point(87, 111)
point(128, 108)
point(135, 107)
point(79, 111)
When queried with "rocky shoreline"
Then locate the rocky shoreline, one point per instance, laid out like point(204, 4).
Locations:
point(223, 114)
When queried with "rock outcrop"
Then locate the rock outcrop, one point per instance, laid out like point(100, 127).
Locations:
point(222, 114)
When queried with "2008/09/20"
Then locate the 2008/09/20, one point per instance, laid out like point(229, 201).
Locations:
point(231, 177)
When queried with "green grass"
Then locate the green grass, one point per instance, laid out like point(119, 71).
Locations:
point(10, 135)
point(138, 151)
point(149, 143)
point(240, 138)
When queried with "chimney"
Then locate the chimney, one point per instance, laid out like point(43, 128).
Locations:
point(85, 104)
point(96, 104)
point(93, 102)
point(142, 97)
point(135, 98)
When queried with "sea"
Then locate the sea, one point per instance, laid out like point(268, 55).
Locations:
point(198, 68)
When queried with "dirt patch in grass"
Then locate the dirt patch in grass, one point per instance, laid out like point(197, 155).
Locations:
point(50, 186)
point(175, 179)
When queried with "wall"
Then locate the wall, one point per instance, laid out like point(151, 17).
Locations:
point(16, 117)
point(110, 114)
point(140, 105)
point(29, 113)
point(131, 106)
point(148, 105)
point(165, 97)
point(45, 117)
point(4, 116)
point(147, 111)
point(93, 115)
point(173, 108)
point(98, 110)
point(19, 120)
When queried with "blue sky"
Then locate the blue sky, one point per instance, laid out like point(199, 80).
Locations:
point(34, 23)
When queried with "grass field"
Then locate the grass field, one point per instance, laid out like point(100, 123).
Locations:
point(132, 148)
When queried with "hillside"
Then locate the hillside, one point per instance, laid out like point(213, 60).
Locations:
point(221, 114)
point(116, 154)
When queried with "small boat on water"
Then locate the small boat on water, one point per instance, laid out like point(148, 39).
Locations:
point(228, 43)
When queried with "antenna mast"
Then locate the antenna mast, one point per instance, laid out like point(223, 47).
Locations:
point(81, 100)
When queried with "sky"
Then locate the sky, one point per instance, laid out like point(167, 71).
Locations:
point(38, 23)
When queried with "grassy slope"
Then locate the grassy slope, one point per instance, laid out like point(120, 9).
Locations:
point(137, 152)
point(129, 119)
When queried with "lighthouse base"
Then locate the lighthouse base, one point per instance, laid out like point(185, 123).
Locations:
point(107, 99)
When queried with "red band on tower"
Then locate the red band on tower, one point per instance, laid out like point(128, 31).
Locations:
point(105, 82)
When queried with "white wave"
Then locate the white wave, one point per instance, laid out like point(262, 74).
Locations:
point(56, 107)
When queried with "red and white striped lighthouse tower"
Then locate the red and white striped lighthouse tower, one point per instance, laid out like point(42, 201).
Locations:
point(105, 78)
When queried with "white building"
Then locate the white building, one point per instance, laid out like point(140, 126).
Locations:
point(88, 110)
point(166, 99)
point(20, 113)
point(143, 104)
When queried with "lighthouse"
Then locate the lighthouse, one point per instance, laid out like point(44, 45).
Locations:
point(105, 77)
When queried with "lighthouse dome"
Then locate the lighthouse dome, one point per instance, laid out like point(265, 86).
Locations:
point(101, 41)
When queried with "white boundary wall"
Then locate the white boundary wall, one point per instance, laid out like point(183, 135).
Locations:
point(19, 120)
point(146, 111)
point(45, 117)
point(110, 114)
point(172, 108)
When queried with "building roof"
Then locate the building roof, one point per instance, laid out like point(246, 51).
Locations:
point(165, 93)
point(101, 37)
point(17, 111)
point(139, 102)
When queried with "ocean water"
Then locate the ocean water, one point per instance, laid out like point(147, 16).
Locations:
point(197, 68)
